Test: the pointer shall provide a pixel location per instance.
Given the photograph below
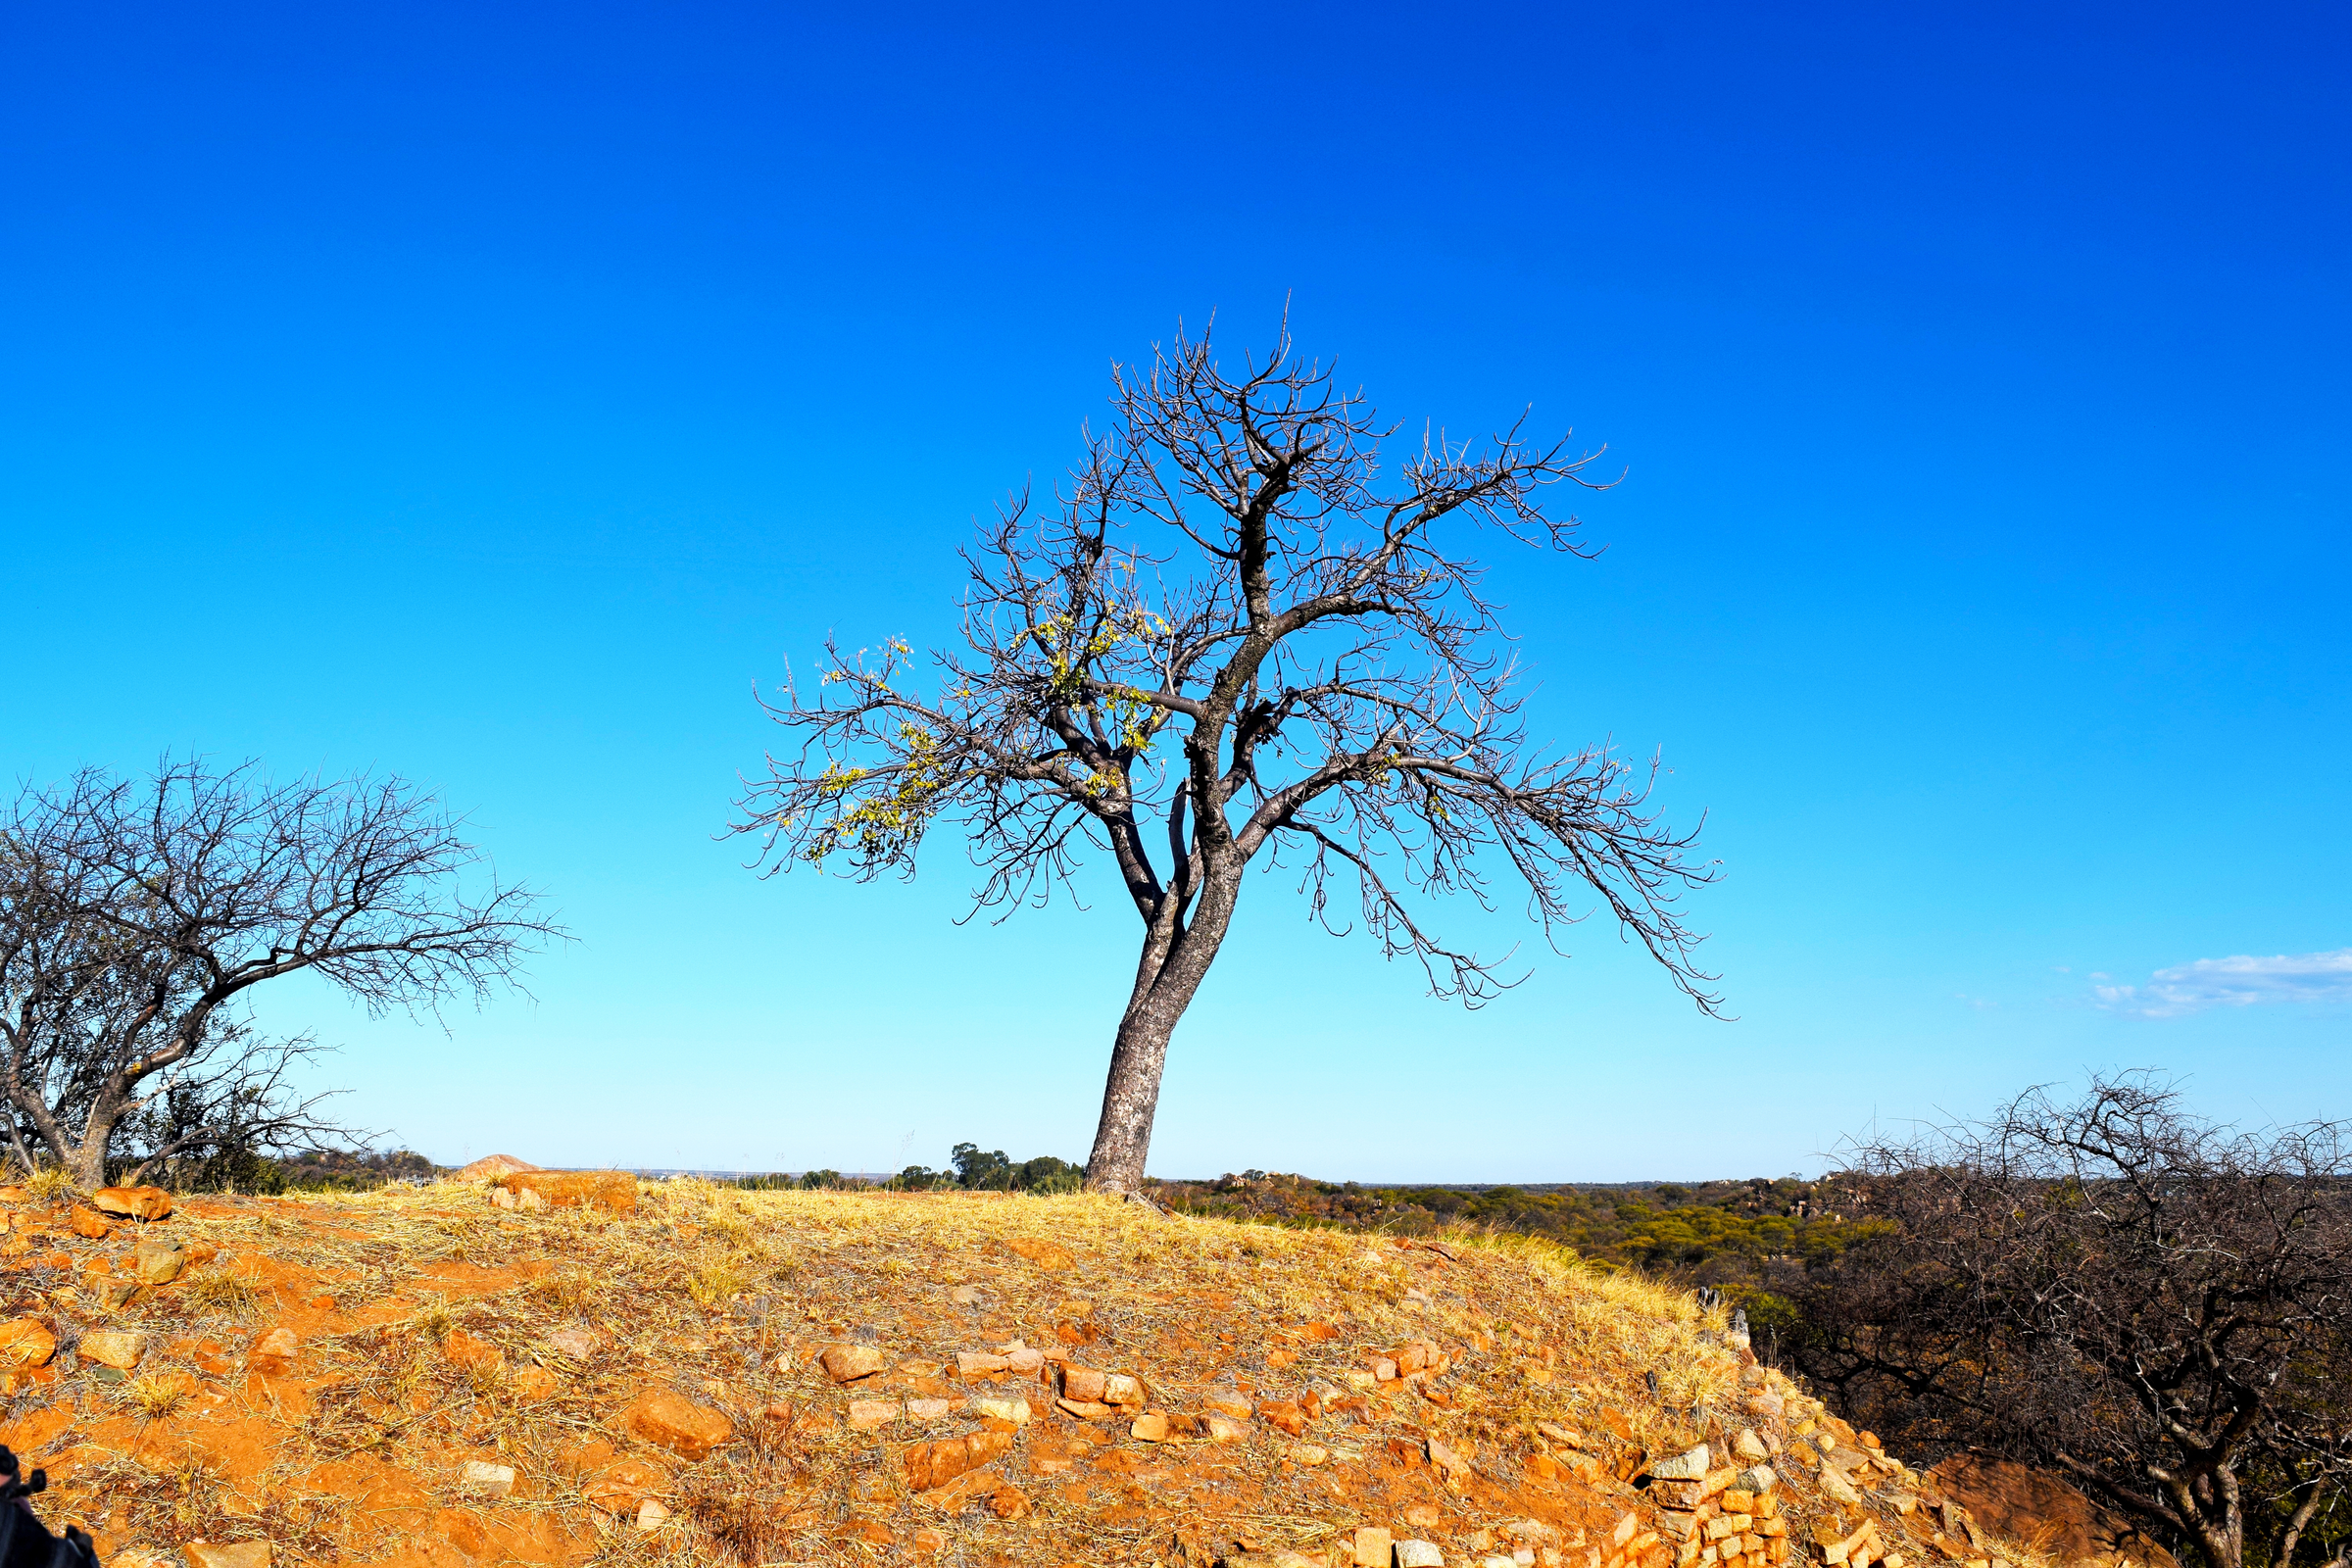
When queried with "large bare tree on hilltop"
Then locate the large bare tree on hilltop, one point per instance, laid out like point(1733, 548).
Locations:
point(1235, 636)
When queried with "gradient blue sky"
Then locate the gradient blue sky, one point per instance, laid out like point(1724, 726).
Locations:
point(492, 394)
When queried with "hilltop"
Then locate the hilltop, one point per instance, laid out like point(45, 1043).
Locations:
point(599, 1370)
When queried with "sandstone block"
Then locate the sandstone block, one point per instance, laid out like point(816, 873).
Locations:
point(1285, 1415)
point(273, 1352)
point(867, 1415)
point(678, 1424)
point(133, 1202)
point(157, 1259)
point(625, 1484)
point(929, 1410)
point(25, 1342)
point(1227, 1400)
point(966, 1295)
point(1149, 1427)
point(1309, 1453)
point(936, 1464)
point(1120, 1389)
point(1374, 1546)
point(1086, 1410)
point(651, 1516)
point(579, 1343)
point(1025, 1361)
point(1085, 1385)
point(1747, 1446)
point(1454, 1466)
point(613, 1190)
point(1566, 1437)
point(1223, 1429)
point(847, 1363)
point(1384, 1370)
point(1008, 1501)
point(480, 1479)
point(1688, 1466)
point(88, 1222)
point(244, 1554)
point(1419, 1554)
point(997, 1407)
point(980, 1363)
point(500, 1198)
point(114, 1347)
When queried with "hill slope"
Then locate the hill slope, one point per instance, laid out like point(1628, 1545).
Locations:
point(419, 1377)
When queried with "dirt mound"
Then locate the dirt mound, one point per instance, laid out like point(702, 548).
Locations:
point(490, 1166)
point(415, 1377)
point(2033, 1508)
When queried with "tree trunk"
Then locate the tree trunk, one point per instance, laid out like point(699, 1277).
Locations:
point(1139, 1054)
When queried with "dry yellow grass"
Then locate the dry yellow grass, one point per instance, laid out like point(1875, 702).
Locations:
point(725, 1296)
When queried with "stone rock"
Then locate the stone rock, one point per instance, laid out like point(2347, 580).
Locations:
point(868, 1415)
point(847, 1363)
point(1456, 1467)
point(935, 1464)
point(576, 1342)
point(484, 1480)
point(530, 1201)
point(244, 1554)
point(929, 1410)
point(1224, 1429)
point(1086, 1410)
point(88, 1222)
point(1083, 1385)
point(1285, 1415)
point(1419, 1554)
point(1760, 1478)
point(1149, 1427)
point(966, 1295)
point(1120, 1389)
point(1008, 1501)
point(613, 1190)
point(116, 1348)
point(1050, 1255)
point(1309, 1453)
point(1837, 1489)
point(1025, 1360)
point(133, 1202)
point(1688, 1466)
point(651, 1516)
point(1384, 1370)
point(500, 1198)
point(273, 1352)
point(980, 1363)
point(678, 1424)
point(26, 1342)
point(1747, 1446)
point(489, 1165)
point(1016, 1411)
point(157, 1259)
point(624, 1484)
point(1374, 1546)
point(1226, 1400)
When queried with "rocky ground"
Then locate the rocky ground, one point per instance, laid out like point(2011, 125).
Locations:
point(575, 1369)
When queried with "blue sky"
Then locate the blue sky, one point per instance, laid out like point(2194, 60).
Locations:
point(493, 394)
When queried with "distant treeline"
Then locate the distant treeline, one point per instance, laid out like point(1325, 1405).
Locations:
point(1750, 1239)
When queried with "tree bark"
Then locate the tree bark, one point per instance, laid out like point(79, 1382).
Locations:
point(1174, 963)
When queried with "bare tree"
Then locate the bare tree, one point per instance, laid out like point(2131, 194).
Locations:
point(136, 918)
point(1235, 638)
point(2156, 1306)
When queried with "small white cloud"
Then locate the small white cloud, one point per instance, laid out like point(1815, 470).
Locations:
point(2063, 968)
point(2240, 982)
